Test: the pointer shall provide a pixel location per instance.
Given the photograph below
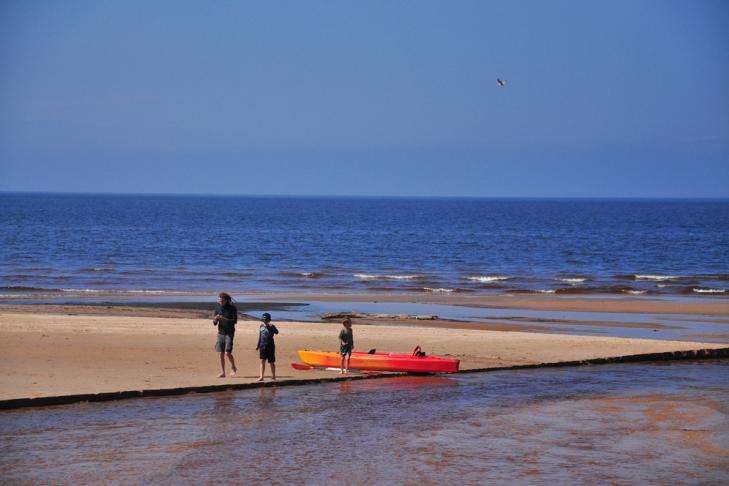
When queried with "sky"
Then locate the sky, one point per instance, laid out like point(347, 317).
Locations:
point(379, 98)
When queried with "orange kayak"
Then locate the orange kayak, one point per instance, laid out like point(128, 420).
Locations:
point(407, 363)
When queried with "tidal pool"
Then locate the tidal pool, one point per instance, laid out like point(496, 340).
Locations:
point(620, 424)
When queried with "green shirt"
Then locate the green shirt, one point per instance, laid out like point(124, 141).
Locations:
point(347, 336)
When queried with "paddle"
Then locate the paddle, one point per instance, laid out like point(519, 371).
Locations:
point(301, 366)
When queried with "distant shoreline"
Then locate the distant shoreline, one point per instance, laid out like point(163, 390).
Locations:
point(197, 302)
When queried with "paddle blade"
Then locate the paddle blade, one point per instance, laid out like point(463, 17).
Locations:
point(301, 366)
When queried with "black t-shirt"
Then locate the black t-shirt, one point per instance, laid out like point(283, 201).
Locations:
point(230, 312)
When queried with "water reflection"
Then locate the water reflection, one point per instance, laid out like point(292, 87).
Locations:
point(618, 423)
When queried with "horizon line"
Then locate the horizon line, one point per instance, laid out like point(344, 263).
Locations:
point(359, 196)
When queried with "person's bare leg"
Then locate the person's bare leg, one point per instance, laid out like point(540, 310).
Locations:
point(262, 370)
point(341, 365)
point(273, 371)
point(349, 356)
point(232, 364)
point(222, 365)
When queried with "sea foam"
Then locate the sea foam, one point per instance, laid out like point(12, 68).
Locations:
point(709, 291)
point(657, 277)
point(365, 276)
point(487, 278)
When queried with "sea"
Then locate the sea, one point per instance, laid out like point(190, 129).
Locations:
point(647, 423)
point(657, 423)
point(148, 245)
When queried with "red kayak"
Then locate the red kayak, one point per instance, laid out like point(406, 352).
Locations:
point(416, 362)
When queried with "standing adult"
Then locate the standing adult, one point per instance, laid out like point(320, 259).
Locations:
point(225, 317)
point(266, 346)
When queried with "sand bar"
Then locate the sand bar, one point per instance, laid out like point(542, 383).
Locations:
point(643, 305)
point(56, 354)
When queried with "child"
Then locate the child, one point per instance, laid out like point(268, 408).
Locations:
point(346, 344)
point(266, 347)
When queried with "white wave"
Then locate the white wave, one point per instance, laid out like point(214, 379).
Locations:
point(572, 281)
point(113, 291)
point(487, 278)
point(709, 291)
point(307, 274)
point(146, 291)
point(657, 277)
point(635, 292)
point(439, 290)
point(546, 291)
point(365, 276)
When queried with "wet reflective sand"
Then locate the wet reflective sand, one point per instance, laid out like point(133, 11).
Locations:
point(622, 424)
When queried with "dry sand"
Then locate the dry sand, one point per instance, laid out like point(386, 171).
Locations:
point(55, 353)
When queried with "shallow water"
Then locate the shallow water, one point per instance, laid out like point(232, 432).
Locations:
point(674, 327)
point(623, 424)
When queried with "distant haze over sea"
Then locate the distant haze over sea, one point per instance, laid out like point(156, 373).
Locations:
point(150, 245)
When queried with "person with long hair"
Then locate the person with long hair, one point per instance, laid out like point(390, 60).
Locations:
point(225, 317)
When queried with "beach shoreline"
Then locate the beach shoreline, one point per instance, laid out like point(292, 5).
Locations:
point(75, 349)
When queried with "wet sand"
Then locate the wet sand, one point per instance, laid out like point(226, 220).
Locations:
point(78, 349)
point(641, 305)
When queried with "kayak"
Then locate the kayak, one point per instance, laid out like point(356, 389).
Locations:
point(406, 363)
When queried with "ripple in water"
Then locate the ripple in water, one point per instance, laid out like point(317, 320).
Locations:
point(643, 423)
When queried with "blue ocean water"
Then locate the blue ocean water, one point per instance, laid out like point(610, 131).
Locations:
point(204, 243)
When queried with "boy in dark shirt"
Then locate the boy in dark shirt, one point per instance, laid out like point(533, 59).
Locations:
point(266, 346)
point(225, 317)
point(346, 344)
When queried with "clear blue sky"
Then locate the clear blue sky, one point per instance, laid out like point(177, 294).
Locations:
point(604, 98)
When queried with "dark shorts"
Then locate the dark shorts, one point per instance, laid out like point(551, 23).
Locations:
point(268, 353)
point(345, 349)
point(224, 343)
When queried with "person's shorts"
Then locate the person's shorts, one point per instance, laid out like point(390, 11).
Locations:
point(268, 353)
point(224, 343)
point(345, 349)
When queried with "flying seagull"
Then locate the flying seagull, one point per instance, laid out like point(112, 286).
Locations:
point(502, 82)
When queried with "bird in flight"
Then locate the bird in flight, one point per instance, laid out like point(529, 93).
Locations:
point(502, 82)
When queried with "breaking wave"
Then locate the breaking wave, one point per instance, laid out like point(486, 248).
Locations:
point(365, 276)
point(709, 291)
point(440, 290)
point(659, 278)
point(486, 278)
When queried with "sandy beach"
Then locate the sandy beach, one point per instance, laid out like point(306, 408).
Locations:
point(65, 350)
